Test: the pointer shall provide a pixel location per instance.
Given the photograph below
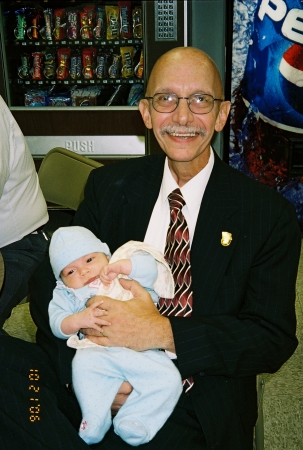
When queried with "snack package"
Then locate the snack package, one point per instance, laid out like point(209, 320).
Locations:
point(139, 67)
point(59, 99)
point(137, 23)
point(87, 96)
point(101, 70)
point(127, 61)
point(37, 68)
point(87, 22)
point(99, 31)
point(73, 28)
point(33, 30)
point(49, 70)
point(35, 97)
point(75, 65)
point(47, 31)
point(112, 22)
point(136, 93)
point(60, 25)
point(114, 70)
point(125, 10)
point(24, 69)
point(63, 58)
point(19, 31)
point(88, 63)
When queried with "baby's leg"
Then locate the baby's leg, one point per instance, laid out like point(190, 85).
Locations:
point(95, 392)
point(157, 386)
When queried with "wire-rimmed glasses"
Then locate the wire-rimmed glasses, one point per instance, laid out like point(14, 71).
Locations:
point(164, 102)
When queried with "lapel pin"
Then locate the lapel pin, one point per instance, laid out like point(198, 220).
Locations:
point(226, 238)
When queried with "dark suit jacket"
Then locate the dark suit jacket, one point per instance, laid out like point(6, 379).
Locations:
point(243, 320)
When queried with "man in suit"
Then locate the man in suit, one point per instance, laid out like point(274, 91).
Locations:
point(245, 245)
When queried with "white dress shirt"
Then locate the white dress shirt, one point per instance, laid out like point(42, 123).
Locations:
point(192, 193)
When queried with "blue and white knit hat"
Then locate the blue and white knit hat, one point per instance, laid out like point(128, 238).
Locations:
point(71, 243)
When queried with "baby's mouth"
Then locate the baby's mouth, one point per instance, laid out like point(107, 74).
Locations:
point(90, 280)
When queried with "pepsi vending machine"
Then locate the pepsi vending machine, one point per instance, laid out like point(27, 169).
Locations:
point(266, 122)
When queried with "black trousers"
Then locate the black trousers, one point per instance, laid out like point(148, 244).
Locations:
point(37, 413)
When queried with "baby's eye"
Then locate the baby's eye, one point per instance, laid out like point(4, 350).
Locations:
point(70, 272)
point(89, 259)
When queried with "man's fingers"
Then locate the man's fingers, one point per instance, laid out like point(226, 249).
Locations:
point(136, 289)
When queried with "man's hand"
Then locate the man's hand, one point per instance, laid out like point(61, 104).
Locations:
point(134, 324)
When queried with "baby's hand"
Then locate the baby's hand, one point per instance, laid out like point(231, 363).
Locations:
point(107, 274)
point(111, 271)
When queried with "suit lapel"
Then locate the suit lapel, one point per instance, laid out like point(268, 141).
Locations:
point(209, 258)
point(141, 195)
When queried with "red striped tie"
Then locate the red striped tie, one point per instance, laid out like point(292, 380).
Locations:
point(177, 254)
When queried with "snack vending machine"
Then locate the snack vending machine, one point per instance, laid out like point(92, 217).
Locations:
point(73, 73)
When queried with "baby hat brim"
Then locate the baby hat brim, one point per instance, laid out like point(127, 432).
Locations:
point(71, 243)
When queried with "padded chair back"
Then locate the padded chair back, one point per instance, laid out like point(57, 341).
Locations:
point(63, 175)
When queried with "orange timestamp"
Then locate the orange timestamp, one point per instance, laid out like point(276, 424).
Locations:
point(34, 388)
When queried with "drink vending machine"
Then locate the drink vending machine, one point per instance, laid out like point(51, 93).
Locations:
point(73, 72)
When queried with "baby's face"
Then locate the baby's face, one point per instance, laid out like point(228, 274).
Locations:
point(84, 270)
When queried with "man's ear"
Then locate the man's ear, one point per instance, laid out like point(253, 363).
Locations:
point(144, 110)
point(222, 116)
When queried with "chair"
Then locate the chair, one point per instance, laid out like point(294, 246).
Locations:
point(259, 427)
point(63, 175)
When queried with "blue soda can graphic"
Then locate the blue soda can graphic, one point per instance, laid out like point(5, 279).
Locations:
point(273, 80)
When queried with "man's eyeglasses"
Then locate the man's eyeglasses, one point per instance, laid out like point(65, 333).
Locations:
point(197, 103)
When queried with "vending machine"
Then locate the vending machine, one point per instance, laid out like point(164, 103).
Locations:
point(73, 72)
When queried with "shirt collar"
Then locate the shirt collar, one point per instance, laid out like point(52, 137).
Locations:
point(193, 190)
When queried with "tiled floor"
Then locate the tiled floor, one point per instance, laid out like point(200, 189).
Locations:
point(283, 394)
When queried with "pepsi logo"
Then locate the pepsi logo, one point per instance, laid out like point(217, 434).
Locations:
point(291, 76)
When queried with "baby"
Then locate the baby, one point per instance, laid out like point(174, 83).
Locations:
point(83, 268)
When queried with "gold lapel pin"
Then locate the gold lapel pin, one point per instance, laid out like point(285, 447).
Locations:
point(226, 238)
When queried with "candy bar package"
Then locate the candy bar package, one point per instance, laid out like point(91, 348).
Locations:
point(47, 31)
point(75, 65)
point(24, 69)
point(37, 68)
point(99, 31)
point(34, 27)
point(86, 96)
point(60, 24)
point(87, 17)
point(112, 22)
point(125, 10)
point(63, 58)
point(114, 70)
point(127, 61)
point(138, 71)
point(49, 70)
point(88, 62)
point(102, 62)
point(137, 23)
point(72, 29)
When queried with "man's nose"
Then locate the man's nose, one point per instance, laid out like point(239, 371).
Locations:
point(182, 113)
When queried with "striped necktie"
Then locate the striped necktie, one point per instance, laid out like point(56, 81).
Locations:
point(177, 254)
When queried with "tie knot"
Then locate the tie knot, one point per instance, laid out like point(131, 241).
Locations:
point(176, 200)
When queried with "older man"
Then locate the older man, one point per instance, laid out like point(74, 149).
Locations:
point(233, 316)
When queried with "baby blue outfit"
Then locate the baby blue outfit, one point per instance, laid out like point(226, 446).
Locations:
point(98, 372)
